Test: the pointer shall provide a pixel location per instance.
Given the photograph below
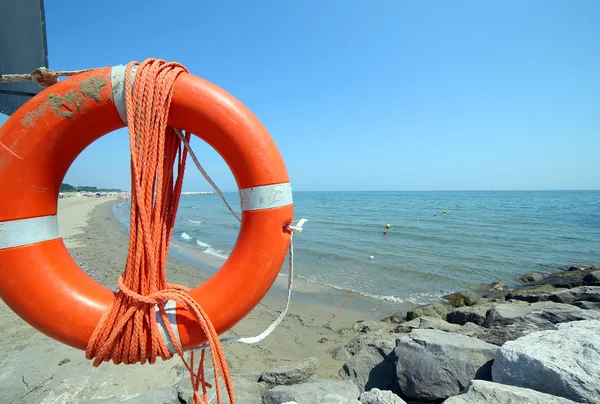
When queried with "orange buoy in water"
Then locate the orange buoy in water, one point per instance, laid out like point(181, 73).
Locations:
point(38, 278)
point(385, 232)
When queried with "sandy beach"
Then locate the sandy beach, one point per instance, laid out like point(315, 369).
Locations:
point(37, 369)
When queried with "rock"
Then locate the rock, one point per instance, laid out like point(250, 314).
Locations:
point(311, 392)
point(581, 293)
point(340, 354)
point(372, 326)
point(589, 294)
point(541, 293)
point(432, 323)
point(469, 314)
point(373, 366)
point(568, 279)
point(593, 278)
point(376, 396)
point(579, 268)
point(587, 305)
point(470, 330)
point(295, 373)
point(246, 387)
point(434, 364)
point(563, 362)
point(373, 338)
point(495, 290)
point(155, 396)
point(544, 315)
point(337, 399)
point(431, 310)
point(498, 335)
point(534, 277)
point(396, 318)
point(408, 326)
point(531, 294)
point(460, 299)
point(481, 391)
point(567, 296)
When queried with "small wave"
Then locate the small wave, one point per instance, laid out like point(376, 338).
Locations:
point(426, 297)
point(202, 244)
point(365, 294)
point(195, 221)
point(208, 249)
point(216, 253)
point(186, 236)
point(416, 298)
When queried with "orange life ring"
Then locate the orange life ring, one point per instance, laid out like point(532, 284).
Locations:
point(38, 278)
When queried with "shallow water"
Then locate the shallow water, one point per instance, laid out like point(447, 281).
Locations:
point(482, 237)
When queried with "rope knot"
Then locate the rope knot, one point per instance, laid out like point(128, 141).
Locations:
point(44, 77)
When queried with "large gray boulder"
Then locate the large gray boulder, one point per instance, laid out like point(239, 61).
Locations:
point(459, 299)
point(563, 362)
point(542, 314)
point(434, 364)
point(377, 396)
point(593, 278)
point(498, 335)
point(568, 279)
point(369, 333)
point(481, 392)
point(312, 392)
point(495, 290)
point(469, 314)
point(373, 366)
point(340, 354)
point(295, 373)
point(589, 294)
point(542, 293)
point(396, 318)
point(537, 293)
point(430, 310)
point(587, 305)
point(432, 323)
point(534, 277)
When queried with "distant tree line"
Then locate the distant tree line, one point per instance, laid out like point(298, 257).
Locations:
point(70, 188)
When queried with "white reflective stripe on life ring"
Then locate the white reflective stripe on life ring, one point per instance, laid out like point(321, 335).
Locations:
point(117, 80)
point(20, 232)
point(170, 309)
point(266, 196)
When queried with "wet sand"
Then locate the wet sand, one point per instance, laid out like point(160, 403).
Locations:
point(37, 369)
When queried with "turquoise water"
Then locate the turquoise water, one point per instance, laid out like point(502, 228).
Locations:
point(483, 237)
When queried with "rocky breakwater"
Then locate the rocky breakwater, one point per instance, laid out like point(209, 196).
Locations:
point(538, 343)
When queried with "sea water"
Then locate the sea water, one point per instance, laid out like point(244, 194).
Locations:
point(438, 242)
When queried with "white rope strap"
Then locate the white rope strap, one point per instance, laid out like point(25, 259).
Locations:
point(293, 228)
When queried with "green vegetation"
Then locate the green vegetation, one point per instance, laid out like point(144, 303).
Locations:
point(70, 188)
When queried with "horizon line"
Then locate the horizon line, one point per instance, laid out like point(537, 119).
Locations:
point(434, 190)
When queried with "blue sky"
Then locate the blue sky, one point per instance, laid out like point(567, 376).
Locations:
point(369, 95)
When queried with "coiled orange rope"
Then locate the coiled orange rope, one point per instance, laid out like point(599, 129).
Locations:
point(128, 332)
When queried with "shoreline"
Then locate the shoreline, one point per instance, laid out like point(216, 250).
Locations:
point(305, 291)
point(309, 315)
point(36, 368)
